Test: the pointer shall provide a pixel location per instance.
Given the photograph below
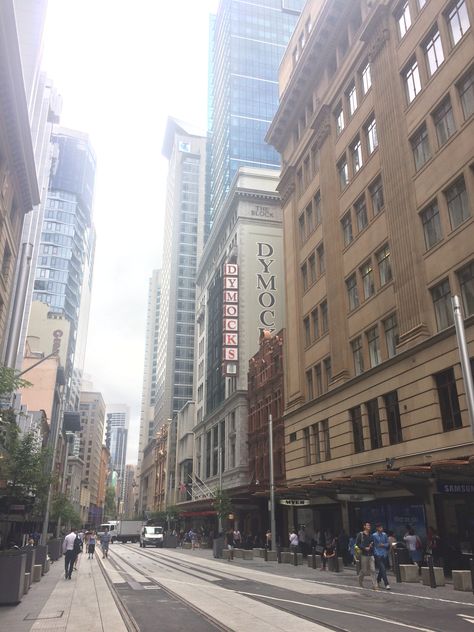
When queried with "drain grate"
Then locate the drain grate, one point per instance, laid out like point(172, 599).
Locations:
point(54, 614)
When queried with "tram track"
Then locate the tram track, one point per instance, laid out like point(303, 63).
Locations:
point(188, 567)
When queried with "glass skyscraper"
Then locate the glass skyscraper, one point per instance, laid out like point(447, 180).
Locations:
point(248, 41)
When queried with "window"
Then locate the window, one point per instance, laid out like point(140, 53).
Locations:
point(321, 261)
point(306, 446)
point(434, 52)
point(310, 225)
point(374, 346)
point(458, 20)
point(403, 18)
point(339, 116)
point(317, 442)
point(327, 372)
point(420, 147)
point(421, 4)
point(315, 321)
point(357, 430)
point(441, 295)
point(319, 379)
point(390, 327)
point(312, 268)
point(368, 284)
point(360, 208)
point(411, 76)
point(448, 400)
point(346, 224)
point(431, 225)
point(466, 284)
point(352, 294)
point(366, 78)
point(372, 407)
point(302, 228)
point(326, 447)
point(358, 355)
point(444, 121)
point(371, 135)
point(307, 332)
point(304, 276)
point(356, 156)
point(324, 317)
point(309, 384)
point(352, 98)
point(456, 199)
point(393, 418)
point(385, 269)
point(466, 93)
point(317, 208)
point(343, 173)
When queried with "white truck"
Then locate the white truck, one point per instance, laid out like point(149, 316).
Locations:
point(122, 530)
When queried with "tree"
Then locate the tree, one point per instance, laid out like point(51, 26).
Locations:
point(10, 381)
point(222, 504)
point(110, 510)
point(62, 509)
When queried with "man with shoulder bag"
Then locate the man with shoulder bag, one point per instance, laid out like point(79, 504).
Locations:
point(365, 542)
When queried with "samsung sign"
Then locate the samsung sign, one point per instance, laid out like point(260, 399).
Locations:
point(266, 286)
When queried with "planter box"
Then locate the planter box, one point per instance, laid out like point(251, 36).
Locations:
point(438, 573)
point(462, 580)
point(259, 552)
point(30, 559)
point(41, 554)
point(55, 547)
point(288, 557)
point(12, 576)
point(409, 573)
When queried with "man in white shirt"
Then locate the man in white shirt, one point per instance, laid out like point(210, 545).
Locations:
point(69, 553)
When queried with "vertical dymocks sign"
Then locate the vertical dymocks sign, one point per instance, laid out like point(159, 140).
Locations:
point(230, 327)
point(266, 287)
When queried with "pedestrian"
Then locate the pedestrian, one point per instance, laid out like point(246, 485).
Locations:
point(329, 553)
point(433, 546)
point(381, 551)
point(294, 541)
point(91, 545)
point(69, 553)
point(105, 539)
point(268, 539)
point(302, 539)
point(415, 547)
point(365, 542)
point(392, 540)
point(193, 538)
point(343, 547)
point(237, 538)
point(351, 549)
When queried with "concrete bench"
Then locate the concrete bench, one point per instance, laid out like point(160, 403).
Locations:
point(259, 552)
point(238, 553)
point(288, 557)
point(332, 564)
point(37, 571)
point(462, 580)
point(438, 573)
point(272, 556)
point(26, 583)
point(186, 545)
point(310, 561)
point(409, 573)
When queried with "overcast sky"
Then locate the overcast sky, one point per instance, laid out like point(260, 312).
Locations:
point(122, 67)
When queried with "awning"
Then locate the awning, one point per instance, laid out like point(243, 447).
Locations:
point(197, 514)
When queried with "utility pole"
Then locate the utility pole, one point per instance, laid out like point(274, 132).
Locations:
point(220, 486)
point(272, 483)
point(464, 357)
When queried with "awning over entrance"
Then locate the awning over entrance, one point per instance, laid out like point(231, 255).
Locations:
point(409, 477)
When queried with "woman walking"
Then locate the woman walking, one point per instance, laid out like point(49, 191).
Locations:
point(91, 545)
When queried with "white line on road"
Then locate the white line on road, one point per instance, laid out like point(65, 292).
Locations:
point(353, 614)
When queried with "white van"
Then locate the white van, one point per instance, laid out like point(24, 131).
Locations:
point(151, 536)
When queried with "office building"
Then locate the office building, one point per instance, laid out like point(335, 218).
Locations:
point(147, 413)
point(247, 42)
point(185, 150)
point(92, 411)
point(116, 436)
point(375, 128)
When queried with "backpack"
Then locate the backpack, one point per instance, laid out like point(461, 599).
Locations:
point(77, 545)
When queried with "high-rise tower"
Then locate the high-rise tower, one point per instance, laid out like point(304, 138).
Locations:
point(248, 42)
point(116, 436)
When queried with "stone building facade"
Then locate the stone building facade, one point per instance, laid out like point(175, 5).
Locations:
point(375, 129)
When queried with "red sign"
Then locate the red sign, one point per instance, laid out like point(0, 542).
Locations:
point(230, 325)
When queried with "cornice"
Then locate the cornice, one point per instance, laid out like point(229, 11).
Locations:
point(286, 186)
point(376, 33)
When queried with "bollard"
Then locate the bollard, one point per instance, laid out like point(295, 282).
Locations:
point(431, 570)
point(396, 565)
point(295, 558)
point(278, 555)
point(471, 566)
point(313, 560)
point(265, 554)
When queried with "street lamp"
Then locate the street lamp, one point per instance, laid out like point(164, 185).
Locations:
point(272, 483)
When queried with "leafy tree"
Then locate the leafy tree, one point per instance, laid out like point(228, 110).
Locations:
point(110, 509)
point(10, 382)
point(62, 509)
point(222, 504)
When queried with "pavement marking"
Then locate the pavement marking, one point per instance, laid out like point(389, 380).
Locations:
point(467, 618)
point(391, 592)
point(353, 614)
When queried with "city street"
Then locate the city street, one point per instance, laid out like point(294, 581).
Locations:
point(174, 585)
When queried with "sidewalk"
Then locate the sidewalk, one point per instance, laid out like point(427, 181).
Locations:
point(54, 604)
